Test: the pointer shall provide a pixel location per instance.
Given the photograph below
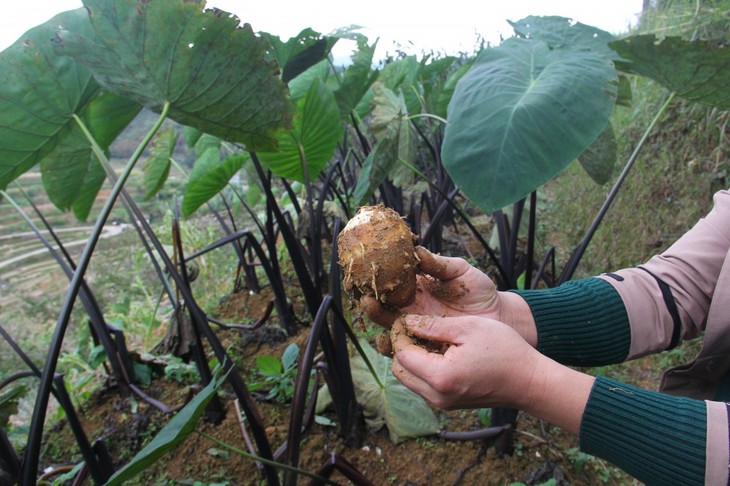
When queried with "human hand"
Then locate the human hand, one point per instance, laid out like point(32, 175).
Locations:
point(486, 364)
point(451, 287)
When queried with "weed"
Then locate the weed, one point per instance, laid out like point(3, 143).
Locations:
point(580, 461)
point(176, 369)
point(278, 375)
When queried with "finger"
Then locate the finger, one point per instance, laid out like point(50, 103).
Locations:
point(377, 313)
point(449, 330)
point(416, 356)
point(410, 380)
point(440, 267)
point(445, 290)
point(414, 366)
point(399, 337)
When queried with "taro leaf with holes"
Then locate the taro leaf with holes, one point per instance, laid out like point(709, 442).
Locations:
point(406, 414)
point(599, 159)
point(171, 435)
point(396, 141)
point(39, 96)
point(695, 70)
point(559, 32)
point(521, 114)
point(157, 166)
point(317, 130)
point(213, 73)
point(300, 52)
point(357, 78)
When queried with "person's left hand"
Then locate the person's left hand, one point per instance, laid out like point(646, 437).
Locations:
point(487, 363)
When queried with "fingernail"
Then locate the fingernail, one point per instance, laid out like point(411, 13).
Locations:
point(416, 320)
point(411, 319)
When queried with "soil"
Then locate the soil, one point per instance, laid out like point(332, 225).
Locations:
point(541, 453)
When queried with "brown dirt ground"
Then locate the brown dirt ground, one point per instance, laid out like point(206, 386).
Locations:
point(541, 452)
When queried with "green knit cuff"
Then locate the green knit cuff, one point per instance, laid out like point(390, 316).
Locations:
point(657, 438)
point(581, 323)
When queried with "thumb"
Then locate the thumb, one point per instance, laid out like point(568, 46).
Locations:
point(440, 267)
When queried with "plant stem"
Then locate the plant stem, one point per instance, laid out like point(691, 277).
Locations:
point(427, 115)
point(151, 321)
point(262, 460)
point(575, 258)
point(32, 452)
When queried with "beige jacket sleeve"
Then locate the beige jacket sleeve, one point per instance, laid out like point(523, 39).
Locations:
point(690, 268)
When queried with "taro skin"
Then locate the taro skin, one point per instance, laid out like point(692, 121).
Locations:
point(377, 256)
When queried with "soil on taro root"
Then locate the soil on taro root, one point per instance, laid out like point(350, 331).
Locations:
point(541, 453)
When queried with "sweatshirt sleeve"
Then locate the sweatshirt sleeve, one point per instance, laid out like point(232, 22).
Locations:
point(657, 438)
point(580, 323)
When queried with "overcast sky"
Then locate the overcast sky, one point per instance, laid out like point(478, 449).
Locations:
point(448, 26)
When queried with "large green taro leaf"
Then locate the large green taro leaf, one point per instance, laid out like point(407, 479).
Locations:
point(39, 98)
point(39, 94)
point(213, 73)
point(209, 177)
point(521, 114)
point(299, 86)
point(599, 159)
point(695, 70)
point(310, 145)
point(156, 167)
point(72, 175)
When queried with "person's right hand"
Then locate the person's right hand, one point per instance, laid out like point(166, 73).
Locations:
point(451, 287)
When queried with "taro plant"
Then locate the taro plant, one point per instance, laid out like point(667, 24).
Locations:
point(430, 138)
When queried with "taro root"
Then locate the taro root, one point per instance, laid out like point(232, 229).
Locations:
point(377, 256)
point(383, 344)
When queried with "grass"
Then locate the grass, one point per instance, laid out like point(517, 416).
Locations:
point(666, 192)
point(670, 187)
